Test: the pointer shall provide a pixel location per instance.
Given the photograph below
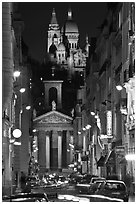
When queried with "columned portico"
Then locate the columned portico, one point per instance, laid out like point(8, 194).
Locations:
point(41, 150)
point(55, 132)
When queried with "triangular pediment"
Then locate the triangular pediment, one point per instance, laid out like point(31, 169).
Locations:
point(53, 117)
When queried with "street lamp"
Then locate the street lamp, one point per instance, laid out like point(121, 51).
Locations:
point(119, 87)
point(16, 73)
point(17, 133)
point(88, 126)
point(28, 107)
point(34, 130)
point(92, 113)
point(22, 90)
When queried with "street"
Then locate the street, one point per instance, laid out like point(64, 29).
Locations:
point(67, 191)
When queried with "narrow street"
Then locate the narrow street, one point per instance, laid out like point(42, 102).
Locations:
point(68, 100)
point(67, 191)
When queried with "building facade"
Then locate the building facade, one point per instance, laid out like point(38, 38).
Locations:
point(15, 116)
point(108, 109)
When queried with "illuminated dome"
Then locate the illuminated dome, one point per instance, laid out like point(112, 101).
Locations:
point(70, 26)
point(61, 46)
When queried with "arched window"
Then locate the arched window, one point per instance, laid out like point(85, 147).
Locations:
point(55, 35)
point(52, 95)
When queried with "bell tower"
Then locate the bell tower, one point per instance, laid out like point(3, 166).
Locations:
point(53, 92)
point(53, 31)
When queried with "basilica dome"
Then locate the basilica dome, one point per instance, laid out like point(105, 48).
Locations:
point(70, 26)
point(61, 46)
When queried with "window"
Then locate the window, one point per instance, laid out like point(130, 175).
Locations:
point(79, 61)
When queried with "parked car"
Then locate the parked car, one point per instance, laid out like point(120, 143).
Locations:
point(94, 179)
point(113, 189)
point(76, 178)
point(26, 197)
point(95, 186)
point(82, 188)
point(101, 198)
point(71, 198)
point(85, 185)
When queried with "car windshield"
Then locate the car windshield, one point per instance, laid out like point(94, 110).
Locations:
point(114, 186)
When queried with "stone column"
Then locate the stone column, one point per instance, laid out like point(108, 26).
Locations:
point(47, 150)
point(71, 148)
point(68, 148)
point(42, 150)
point(59, 149)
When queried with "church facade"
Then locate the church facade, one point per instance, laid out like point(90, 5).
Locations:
point(54, 134)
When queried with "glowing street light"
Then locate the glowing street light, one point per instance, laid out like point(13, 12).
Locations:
point(79, 132)
point(22, 90)
point(17, 133)
point(16, 73)
point(88, 127)
point(92, 113)
point(119, 87)
point(28, 107)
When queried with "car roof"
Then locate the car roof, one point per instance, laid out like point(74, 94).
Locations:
point(115, 181)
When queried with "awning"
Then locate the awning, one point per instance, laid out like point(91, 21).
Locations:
point(110, 159)
point(107, 159)
point(101, 161)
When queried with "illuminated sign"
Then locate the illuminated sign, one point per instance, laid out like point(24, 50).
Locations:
point(109, 123)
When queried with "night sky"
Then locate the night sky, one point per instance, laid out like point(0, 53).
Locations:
point(37, 15)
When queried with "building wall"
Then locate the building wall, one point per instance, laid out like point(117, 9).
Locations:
point(12, 101)
point(112, 59)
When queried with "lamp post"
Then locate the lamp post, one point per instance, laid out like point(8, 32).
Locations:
point(17, 134)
